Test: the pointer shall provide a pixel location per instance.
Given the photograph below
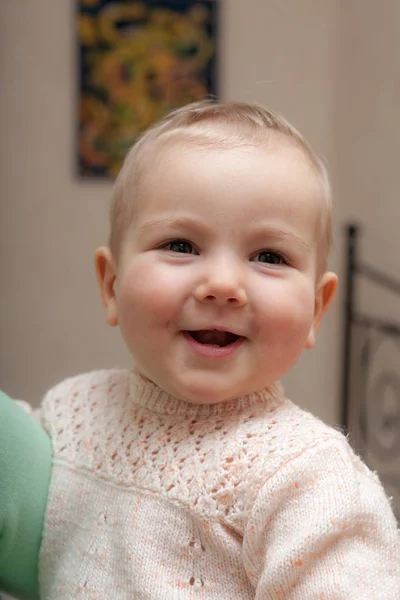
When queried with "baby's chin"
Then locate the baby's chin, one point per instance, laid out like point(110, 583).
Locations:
point(205, 390)
point(203, 386)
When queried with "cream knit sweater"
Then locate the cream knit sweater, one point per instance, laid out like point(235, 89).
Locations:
point(156, 499)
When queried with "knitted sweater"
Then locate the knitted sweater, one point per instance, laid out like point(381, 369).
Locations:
point(153, 498)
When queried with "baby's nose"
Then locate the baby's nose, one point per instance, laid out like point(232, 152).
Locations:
point(222, 288)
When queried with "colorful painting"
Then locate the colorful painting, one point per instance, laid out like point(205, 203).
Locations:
point(138, 60)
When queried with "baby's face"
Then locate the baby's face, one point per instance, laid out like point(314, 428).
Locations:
point(215, 287)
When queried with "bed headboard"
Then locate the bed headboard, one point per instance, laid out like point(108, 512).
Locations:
point(371, 372)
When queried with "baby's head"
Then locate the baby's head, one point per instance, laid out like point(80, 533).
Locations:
point(212, 126)
point(215, 270)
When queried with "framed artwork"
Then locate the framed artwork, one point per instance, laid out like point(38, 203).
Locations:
point(138, 60)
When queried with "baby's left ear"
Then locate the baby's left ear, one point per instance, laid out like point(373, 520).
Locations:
point(324, 295)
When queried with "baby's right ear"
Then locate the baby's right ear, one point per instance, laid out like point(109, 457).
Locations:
point(106, 275)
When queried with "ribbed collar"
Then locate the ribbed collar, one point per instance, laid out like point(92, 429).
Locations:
point(148, 395)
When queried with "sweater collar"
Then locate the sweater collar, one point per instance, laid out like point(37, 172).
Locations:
point(148, 395)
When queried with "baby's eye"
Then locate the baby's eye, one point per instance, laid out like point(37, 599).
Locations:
point(270, 257)
point(180, 246)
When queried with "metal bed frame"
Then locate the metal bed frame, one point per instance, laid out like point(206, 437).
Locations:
point(371, 375)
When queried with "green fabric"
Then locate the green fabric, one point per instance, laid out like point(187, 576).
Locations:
point(25, 469)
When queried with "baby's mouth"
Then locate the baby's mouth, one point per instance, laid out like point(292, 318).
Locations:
point(214, 337)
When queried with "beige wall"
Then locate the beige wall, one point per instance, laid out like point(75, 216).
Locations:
point(298, 57)
point(367, 134)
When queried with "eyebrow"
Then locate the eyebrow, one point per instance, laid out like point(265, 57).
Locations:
point(278, 235)
point(174, 222)
point(195, 225)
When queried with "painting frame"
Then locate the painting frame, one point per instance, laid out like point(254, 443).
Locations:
point(137, 60)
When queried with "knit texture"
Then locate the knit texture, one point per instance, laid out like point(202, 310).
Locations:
point(155, 498)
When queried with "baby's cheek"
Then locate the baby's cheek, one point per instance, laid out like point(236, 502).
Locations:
point(287, 319)
point(147, 298)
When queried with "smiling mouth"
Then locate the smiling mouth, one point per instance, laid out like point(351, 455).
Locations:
point(214, 337)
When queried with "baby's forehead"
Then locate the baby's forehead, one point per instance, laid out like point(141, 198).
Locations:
point(183, 158)
point(209, 141)
point(252, 173)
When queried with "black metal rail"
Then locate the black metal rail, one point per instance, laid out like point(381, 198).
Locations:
point(370, 396)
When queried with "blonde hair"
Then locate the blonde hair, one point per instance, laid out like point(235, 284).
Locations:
point(211, 125)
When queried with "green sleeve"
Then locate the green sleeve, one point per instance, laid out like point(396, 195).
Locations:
point(25, 469)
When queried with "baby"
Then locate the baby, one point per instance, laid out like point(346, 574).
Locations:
point(192, 476)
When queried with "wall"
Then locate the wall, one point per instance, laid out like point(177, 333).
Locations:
point(281, 54)
point(367, 132)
